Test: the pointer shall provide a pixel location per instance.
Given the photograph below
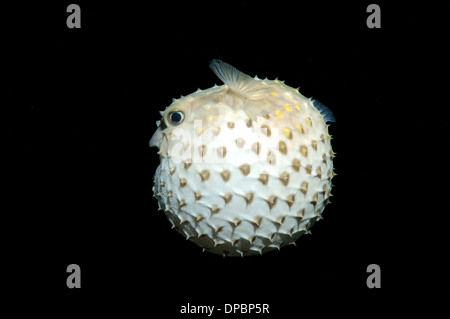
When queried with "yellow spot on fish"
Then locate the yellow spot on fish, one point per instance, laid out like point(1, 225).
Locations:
point(264, 83)
point(274, 93)
point(304, 150)
point(207, 106)
point(279, 114)
point(296, 91)
point(287, 132)
point(278, 82)
point(297, 106)
point(308, 121)
point(210, 117)
point(288, 107)
point(299, 127)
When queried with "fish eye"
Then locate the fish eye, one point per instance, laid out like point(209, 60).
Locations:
point(175, 117)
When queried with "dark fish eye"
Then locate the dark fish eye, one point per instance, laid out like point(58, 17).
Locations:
point(176, 117)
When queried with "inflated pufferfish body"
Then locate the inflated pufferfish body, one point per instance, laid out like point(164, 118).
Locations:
point(246, 167)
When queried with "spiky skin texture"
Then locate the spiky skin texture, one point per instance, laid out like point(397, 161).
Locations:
point(243, 187)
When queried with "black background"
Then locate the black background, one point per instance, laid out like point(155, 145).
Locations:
point(81, 108)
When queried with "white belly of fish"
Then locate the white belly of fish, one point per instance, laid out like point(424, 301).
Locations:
point(260, 188)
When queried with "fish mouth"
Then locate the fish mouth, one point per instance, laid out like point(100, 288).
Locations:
point(157, 137)
point(155, 141)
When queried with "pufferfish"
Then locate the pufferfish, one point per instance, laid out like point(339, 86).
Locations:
point(245, 167)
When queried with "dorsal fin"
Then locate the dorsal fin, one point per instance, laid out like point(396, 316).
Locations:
point(237, 81)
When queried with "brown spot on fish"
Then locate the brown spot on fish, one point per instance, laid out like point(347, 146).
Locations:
point(197, 195)
point(230, 125)
point(222, 151)
point(225, 175)
point(248, 123)
point(308, 169)
point(235, 222)
point(227, 197)
point(315, 199)
point(290, 200)
point(301, 213)
point(265, 130)
point(282, 147)
point(314, 145)
point(255, 148)
point(264, 178)
point(284, 178)
point(172, 170)
point(271, 201)
point(245, 169)
point(304, 187)
point(279, 221)
point(183, 182)
point(217, 228)
point(202, 150)
point(204, 175)
point(299, 216)
point(187, 163)
point(199, 218)
point(271, 158)
point(214, 209)
point(296, 164)
point(257, 222)
point(319, 171)
point(249, 198)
